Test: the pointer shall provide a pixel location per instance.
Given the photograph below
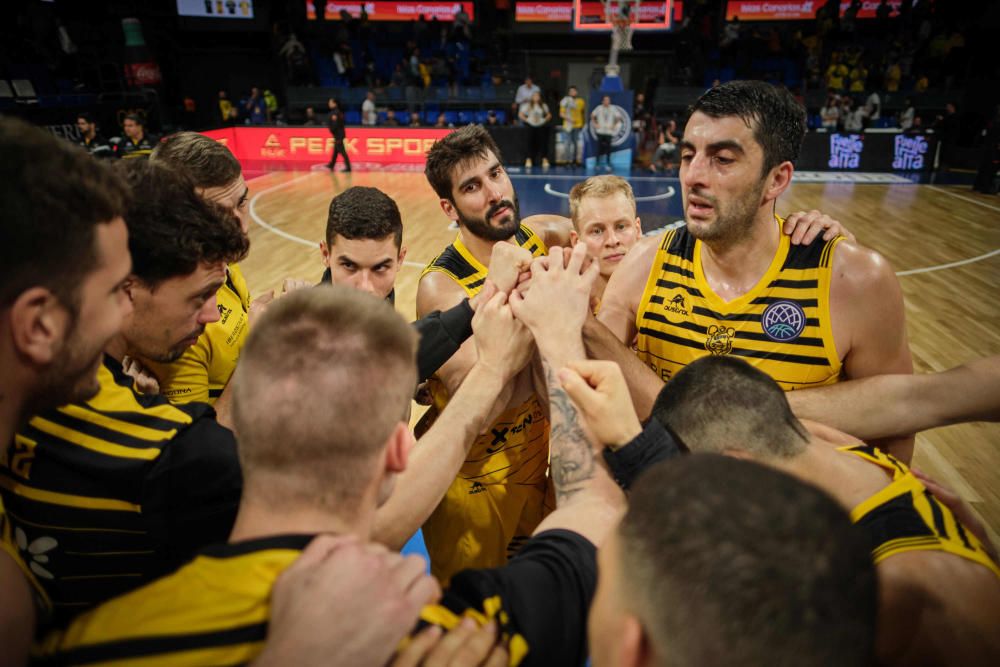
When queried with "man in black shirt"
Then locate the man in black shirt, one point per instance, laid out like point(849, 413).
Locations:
point(335, 122)
point(91, 140)
point(135, 143)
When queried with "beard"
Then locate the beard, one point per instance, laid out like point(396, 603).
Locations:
point(733, 221)
point(481, 227)
point(71, 378)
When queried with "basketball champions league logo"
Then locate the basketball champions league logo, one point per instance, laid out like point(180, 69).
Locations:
point(624, 127)
point(783, 321)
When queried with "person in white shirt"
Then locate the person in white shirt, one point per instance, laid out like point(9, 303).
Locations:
point(854, 119)
point(535, 114)
point(873, 106)
point(830, 113)
point(368, 114)
point(906, 118)
point(606, 123)
point(523, 94)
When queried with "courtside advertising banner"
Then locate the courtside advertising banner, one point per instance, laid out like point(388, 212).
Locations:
point(796, 10)
point(304, 147)
point(393, 11)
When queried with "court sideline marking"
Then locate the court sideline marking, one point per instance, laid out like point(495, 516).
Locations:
point(312, 244)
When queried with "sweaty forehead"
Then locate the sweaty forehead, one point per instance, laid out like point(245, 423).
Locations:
point(476, 165)
point(364, 252)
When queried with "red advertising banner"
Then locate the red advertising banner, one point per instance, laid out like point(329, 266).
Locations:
point(562, 12)
point(393, 11)
point(593, 16)
point(796, 10)
point(304, 147)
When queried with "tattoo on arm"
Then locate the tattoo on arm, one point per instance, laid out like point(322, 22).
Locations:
point(572, 464)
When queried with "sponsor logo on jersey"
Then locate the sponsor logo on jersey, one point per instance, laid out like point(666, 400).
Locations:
point(720, 340)
point(677, 304)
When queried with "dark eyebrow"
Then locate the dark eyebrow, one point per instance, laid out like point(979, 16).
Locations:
point(246, 191)
point(728, 144)
point(473, 179)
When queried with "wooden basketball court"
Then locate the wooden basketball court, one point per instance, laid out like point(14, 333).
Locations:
point(943, 241)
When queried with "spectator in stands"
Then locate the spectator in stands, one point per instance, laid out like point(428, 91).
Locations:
point(535, 114)
point(311, 120)
point(296, 63)
point(415, 120)
point(491, 118)
point(93, 142)
point(227, 112)
point(606, 122)
point(256, 108)
point(271, 100)
point(859, 78)
point(523, 94)
point(414, 64)
point(368, 114)
point(847, 24)
point(907, 115)
point(398, 79)
point(462, 27)
point(986, 175)
point(836, 73)
point(135, 143)
point(853, 117)
point(873, 108)
point(666, 150)
point(572, 110)
point(893, 75)
point(390, 119)
point(442, 121)
point(921, 84)
point(830, 113)
point(946, 127)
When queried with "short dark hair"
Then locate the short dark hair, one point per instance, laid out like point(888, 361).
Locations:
point(54, 195)
point(364, 213)
point(719, 403)
point(462, 145)
point(135, 118)
point(171, 230)
point(206, 162)
point(727, 561)
point(86, 116)
point(777, 120)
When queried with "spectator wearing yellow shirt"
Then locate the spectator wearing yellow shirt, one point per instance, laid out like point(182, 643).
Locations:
point(893, 74)
point(859, 78)
point(835, 74)
point(572, 110)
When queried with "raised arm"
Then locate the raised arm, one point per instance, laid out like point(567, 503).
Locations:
point(588, 501)
point(503, 346)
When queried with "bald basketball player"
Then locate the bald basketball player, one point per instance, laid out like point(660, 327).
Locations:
point(729, 282)
point(940, 589)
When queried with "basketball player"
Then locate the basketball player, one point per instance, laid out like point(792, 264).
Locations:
point(729, 283)
point(891, 405)
point(134, 143)
point(203, 369)
point(498, 498)
point(65, 257)
point(61, 305)
point(940, 601)
point(327, 474)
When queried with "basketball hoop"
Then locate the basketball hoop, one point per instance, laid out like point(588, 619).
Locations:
point(621, 15)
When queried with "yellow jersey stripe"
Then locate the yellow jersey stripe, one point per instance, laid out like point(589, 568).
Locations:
point(66, 499)
point(96, 444)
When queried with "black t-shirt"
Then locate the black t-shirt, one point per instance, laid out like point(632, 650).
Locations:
point(540, 599)
point(335, 122)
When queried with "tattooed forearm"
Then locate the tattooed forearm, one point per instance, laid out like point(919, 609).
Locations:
point(572, 456)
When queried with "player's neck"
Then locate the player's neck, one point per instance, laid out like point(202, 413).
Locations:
point(821, 465)
point(117, 348)
point(481, 249)
point(11, 404)
point(741, 261)
point(261, 519)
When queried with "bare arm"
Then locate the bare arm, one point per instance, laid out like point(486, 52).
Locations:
point(554, 230)
point(891, 405)
point(588, 501)
point(869, 323)
point(643, 384)
point(437, 291)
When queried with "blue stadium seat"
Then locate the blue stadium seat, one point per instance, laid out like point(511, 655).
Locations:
point(353, 117)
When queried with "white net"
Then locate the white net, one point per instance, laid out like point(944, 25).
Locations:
point(621, 14)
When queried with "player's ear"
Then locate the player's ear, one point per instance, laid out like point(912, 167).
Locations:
point(449, 209)
point(39, 325)
point(402, 254)
point(573, 237)
point(397, 451)
point(635, 648)
point(778, 181)
point(326, 253)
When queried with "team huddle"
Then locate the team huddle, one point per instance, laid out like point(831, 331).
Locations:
point(691, 448)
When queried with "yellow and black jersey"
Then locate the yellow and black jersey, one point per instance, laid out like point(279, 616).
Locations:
point(204, 369)
point(215, 609)
point(467, 271)
point(781, 326)
point(106, 495)
point(905, 516)
point(501, 492)
point(9, 546)
point(127, 149)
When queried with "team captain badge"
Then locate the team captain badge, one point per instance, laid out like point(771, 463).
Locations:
point(783, 321)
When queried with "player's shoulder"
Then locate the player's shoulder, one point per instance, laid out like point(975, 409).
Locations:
point(857, 269)
point(554, 230)
point(437, 290)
